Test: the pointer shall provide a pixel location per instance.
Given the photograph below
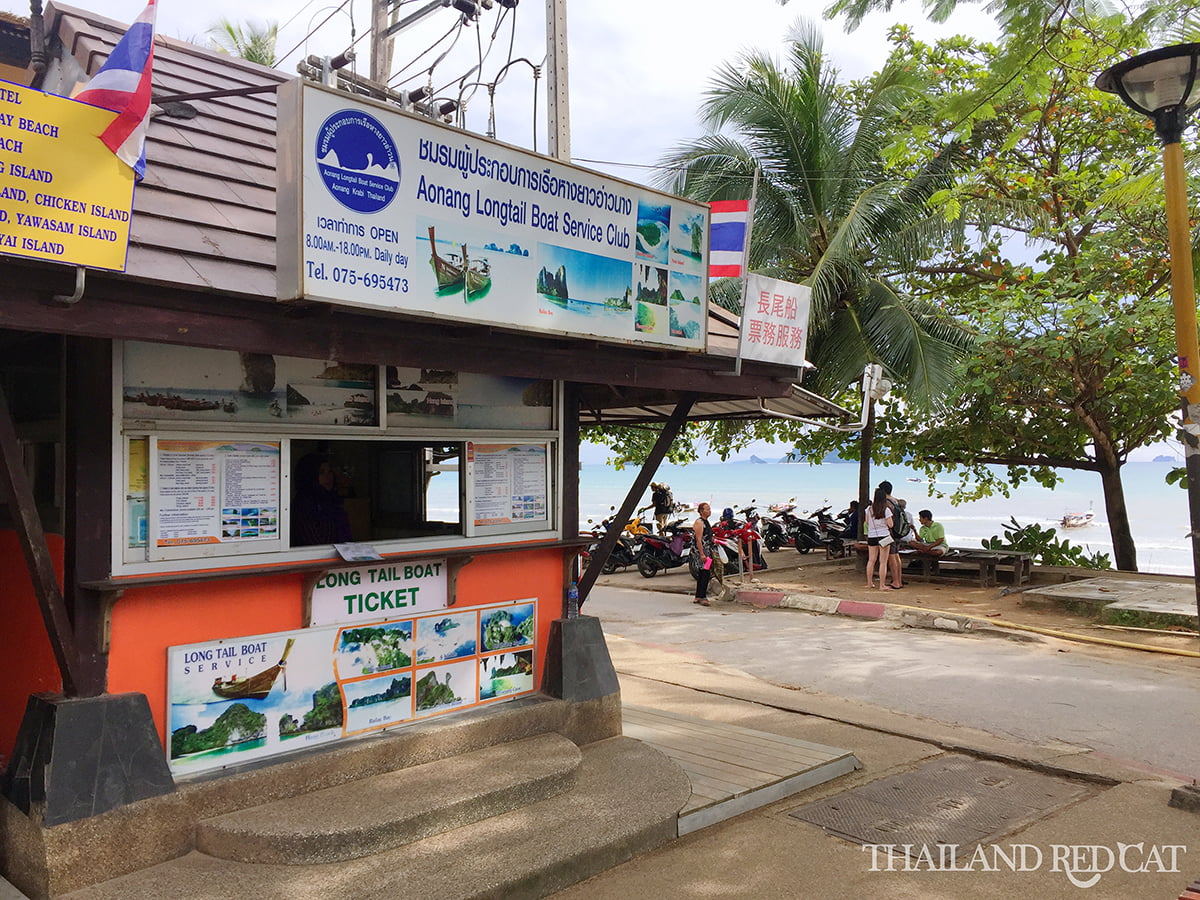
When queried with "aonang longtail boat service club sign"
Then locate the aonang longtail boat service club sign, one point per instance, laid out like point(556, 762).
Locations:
point(393, 211)
point(247, 698)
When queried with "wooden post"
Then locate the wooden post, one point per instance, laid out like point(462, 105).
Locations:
point(19, 494)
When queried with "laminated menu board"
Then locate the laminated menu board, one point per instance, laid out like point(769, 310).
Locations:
point(509, 483)
point(216, 492)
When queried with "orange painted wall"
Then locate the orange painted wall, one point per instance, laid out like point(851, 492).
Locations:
point(27, 664)
point(146, 621)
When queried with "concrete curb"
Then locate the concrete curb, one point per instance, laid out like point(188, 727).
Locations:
point(858, 609)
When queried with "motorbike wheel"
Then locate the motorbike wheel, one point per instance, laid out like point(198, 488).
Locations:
point(803, 548)
point(648, 566)
point(609, 566)
point(773, 542)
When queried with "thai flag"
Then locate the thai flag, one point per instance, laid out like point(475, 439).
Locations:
point(123, 85)
point(727, 238)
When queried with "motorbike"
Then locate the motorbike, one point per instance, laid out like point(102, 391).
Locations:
point(773, 528)
point(665, 551)
point(624, 553)
point(830, 526)
point(733, 538)
point(803, 534)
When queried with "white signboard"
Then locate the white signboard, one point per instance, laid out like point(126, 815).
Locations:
point(236, 700)
point(216, 492)
point(390, 590)
point(510, 483)
point(393, 211)
point(775, 321)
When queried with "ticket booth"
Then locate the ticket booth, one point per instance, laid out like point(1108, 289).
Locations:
point(304, 470)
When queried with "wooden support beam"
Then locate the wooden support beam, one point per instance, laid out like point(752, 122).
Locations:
point(666, 437)
point(569, 526)
point(19, 495)
point(87, 505)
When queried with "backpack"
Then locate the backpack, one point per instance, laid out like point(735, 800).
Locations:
point(902, 524)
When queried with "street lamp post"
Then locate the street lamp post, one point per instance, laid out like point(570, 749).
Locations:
point(1165, 85)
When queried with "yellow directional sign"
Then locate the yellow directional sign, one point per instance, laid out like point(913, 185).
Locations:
point(64, 196)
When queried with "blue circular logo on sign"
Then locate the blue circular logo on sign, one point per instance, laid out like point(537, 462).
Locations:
point(358, 161)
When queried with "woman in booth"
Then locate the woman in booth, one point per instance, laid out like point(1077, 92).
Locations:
point(318, 515)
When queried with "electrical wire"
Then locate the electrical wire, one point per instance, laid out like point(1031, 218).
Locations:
point(313, 31)
point(396, 79)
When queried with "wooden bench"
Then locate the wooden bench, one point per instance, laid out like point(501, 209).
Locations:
point(958, 560)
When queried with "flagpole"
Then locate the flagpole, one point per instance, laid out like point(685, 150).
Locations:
point(737, 370)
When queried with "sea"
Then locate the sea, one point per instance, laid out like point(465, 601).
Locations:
point(1158, 511)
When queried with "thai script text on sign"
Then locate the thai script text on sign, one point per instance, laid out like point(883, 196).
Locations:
point(64, 196)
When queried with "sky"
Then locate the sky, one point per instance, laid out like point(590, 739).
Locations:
point(637, 69)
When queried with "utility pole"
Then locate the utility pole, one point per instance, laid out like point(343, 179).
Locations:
point(558, 112)
point(380, 46)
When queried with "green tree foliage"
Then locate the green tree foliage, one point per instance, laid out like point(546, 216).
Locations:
point(253, 43)
point(828, 214)
point(1063, 271)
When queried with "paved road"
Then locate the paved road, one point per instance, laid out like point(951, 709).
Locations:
point(1136, 707)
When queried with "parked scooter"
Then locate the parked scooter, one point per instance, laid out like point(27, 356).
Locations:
point(665, 551)
point(773, 527)
point(803, 534)
point(623, 554)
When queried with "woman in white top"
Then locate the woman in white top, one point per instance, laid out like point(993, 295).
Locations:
point(879, 528)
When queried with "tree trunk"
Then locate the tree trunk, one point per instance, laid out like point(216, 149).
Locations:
point(864, 466)
point(1124, 551)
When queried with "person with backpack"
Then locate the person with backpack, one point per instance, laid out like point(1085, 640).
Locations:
point(878, 517)
point(901, 530)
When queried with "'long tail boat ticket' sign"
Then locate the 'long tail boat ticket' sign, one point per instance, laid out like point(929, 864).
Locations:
point(384, 209)
point(247, 698)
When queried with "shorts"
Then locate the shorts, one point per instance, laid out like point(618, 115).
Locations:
point(873, 542)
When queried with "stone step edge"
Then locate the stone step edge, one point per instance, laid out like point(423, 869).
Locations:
point(382, 812)
point(302, 772)
point(625, 803)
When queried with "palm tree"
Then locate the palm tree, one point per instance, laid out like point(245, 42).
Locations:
point(250, 42)
point(828, 212)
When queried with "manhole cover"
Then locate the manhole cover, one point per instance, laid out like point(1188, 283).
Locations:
point(952, 800)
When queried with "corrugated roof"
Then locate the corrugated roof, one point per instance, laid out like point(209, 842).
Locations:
point(797, 403)
point(205, 213)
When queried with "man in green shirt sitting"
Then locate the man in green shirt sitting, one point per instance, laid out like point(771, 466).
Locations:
point(931, 537)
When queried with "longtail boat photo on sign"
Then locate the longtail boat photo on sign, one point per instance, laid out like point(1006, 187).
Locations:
point(242, 699)
point(387, 210)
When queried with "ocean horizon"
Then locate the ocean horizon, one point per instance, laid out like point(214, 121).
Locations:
point(1158, 512)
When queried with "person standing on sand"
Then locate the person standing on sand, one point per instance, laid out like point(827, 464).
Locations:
point(879, 538)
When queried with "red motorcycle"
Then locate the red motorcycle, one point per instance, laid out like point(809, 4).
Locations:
point(667, 550)
point(737, 539)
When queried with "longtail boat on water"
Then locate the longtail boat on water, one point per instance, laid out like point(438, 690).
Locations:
point(256, 687)
point(478, 277)
point(449, 273)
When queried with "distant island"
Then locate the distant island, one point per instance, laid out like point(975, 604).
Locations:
point(1166, 459)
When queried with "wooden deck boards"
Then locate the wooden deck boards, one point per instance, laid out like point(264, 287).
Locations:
point(733, 769)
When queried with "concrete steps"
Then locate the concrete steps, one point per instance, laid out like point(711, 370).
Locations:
point(382, 812)
point(624, 802)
